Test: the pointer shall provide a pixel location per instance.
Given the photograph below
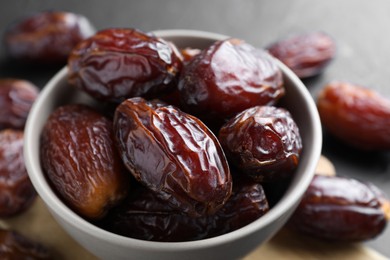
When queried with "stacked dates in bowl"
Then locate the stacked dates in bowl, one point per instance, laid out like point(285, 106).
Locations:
point(141, 140)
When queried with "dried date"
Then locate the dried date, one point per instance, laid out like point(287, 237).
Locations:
point(337, 208)
point(80, 159)
point(115, 64)
point(46, 37)
point(174, 154)
point(145, 216)
point(16, 190)
point(14, 245)
point(16, 99)
point(228, 77)
point(263, 142)
point(356, 115)
point(306, 54)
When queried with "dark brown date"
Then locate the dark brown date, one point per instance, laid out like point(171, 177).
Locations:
point(116, 64)
point(145, 216)
point(263, 142)
point(356, 115)
point(306, 54)
point(336, 208)
point(174, 154)
point(227, 78)
point(16, 99)
point(14, 245)
point(16, 190)
point(46, 37)
point(80, 160)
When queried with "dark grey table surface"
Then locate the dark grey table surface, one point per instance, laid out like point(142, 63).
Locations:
point(360, 28)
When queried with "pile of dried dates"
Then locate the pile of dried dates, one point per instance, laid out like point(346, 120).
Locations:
point(186, 144)
point(170, 171)
point(192, 140)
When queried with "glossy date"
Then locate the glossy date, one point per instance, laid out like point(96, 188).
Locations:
point(145, 216)
point(115, 64)
point(80, 160)
point(356, 115)
point(16, 99)
point(16, 190)
point(306, 54)
point(263, 142)
point(174, 154)
point(228, 77)
point(46, 37)
point(337, 208)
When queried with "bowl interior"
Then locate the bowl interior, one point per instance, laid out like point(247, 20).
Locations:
point(57, 92)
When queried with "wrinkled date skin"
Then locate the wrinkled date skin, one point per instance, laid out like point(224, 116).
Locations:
point(16, 190)
point(79, 158)
point(356, 115)
point(46, 37)
point(145, 216)
point(227, 78)
point(174, 154)
point(307, 54)
point(16, 99)
point(336, 208)
point(263, 142)
point(14, 245)
point(116, 64)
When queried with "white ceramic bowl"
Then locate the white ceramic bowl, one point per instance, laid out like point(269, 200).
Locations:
point(233, 245)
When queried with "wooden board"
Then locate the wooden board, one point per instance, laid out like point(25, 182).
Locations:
point(38, 224)
point(289, 245)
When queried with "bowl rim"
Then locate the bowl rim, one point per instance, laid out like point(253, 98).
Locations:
point(53, 203)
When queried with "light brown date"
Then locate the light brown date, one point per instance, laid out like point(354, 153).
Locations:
point(305, 54)
point(16, 99)
point(356, 115)
point(16, 190)
point(79, 158)
point(14, 245)
point(337, 208)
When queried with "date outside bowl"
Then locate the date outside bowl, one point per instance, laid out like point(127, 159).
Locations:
point(233, 245)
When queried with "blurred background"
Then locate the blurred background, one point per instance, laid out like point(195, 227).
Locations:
point(359, 28)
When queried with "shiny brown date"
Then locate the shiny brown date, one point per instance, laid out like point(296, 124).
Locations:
point(306, 54)
point(16, 99)
point(16, 191)
point(174, 154)
point(263, 142)
point(46, 37)
point(337, 208)
point(145, 216)
point(116, 64)
point(14, 245)
point(80, 160)
point(356, 115)
point(228, 77)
